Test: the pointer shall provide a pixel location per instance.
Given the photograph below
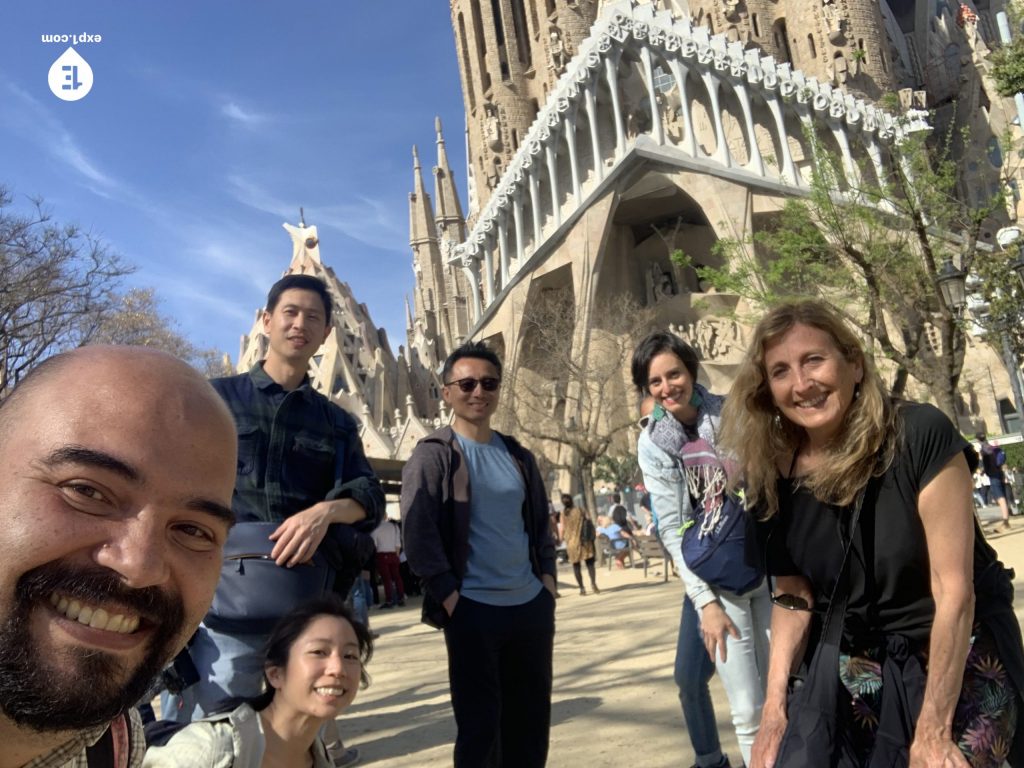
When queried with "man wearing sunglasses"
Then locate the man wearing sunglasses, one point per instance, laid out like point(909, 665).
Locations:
point(476, 528)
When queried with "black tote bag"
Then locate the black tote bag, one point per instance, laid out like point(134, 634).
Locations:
point(815, 734)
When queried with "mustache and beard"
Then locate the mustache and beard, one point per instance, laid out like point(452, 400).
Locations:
point(82, 687)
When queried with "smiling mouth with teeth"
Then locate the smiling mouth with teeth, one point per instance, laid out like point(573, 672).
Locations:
point(325, 691)
point(813, 403)
point(96, 618)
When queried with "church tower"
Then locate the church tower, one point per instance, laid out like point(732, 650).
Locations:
point(439, 313)
point(510, 53)
point(844, 43)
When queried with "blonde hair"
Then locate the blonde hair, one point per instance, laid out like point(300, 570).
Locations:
point(762, 439)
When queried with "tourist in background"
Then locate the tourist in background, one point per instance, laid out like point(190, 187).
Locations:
point(619, 538)
point(734, 626)
point(387, 537)
point(930, 650)
point(993, 459)
point(580, 536)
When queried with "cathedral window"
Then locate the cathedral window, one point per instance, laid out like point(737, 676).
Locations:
point(781, 40)
point(499, 37)
point(464, 48)
point(755, 23)
point(522, 34)
point(481, 47)
point(811, 49)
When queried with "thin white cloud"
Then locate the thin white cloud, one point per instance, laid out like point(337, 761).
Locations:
point(239, 114)
point(31, 120)
point(363, 219)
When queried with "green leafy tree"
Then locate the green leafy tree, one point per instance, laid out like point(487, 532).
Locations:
point(1008, 60)
point(873, 250)
point(620, 471)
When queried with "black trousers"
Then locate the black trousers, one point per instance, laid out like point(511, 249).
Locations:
point(499, 669)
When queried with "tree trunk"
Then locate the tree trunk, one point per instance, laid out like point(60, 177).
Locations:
point(945, 399)
point(586, 479)
point(899, 382)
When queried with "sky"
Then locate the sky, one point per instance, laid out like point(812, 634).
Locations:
point(208, 124)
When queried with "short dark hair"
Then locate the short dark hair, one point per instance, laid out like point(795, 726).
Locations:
point(567, 501)
point(655, 344)
point(293, 624)
point(475, 349)
point(302, 283)
point(617, 498)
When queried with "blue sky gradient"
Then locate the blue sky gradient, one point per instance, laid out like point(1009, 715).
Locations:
point(210, 123)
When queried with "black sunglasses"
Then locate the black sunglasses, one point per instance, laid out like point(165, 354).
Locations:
point(467, 385)
point(783, 600)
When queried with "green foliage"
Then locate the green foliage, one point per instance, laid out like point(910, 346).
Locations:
point(872, 250)
point(1008, 68)
point(1008, 60)
point(620, 471)
point(1014, 455)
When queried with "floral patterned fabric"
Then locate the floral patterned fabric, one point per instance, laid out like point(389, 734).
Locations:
point(986, 714)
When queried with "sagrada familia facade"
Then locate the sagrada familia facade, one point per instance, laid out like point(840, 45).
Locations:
point(593, 126)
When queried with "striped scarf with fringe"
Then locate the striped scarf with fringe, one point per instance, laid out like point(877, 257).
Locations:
point(705, 471)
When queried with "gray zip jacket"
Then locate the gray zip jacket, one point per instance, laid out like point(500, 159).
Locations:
point(435, 516)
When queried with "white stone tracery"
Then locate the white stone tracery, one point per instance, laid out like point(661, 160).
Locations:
point(705, 70)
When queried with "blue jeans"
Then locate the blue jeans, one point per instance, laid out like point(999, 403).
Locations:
point(693, 670)
point(743, 674)
point(358, 599)
point(228, 666)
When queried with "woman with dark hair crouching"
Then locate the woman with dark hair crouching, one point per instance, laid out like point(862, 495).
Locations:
point(314, 663)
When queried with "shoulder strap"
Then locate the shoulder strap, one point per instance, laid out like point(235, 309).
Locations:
point(113, 750)
point(832, 629)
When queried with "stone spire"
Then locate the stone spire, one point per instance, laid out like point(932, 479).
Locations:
point(450, 221)
point(421, 214)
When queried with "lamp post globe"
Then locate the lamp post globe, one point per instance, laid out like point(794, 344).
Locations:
point(953, 286)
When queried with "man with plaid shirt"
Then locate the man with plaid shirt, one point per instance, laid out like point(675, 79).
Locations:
point(300, 464)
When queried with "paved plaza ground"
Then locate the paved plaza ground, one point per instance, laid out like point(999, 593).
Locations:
point(614, 701)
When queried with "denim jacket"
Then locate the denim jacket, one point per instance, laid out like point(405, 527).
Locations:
point(670, 500)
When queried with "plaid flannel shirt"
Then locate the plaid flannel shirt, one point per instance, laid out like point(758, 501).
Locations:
point(295, 448)
point(71, 754)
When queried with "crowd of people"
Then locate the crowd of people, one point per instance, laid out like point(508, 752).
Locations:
point(835, 575)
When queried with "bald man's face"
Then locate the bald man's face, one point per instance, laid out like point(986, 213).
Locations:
point(115, 489)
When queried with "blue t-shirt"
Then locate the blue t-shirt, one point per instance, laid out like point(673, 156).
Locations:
point(498, 570)
point(614, 533)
